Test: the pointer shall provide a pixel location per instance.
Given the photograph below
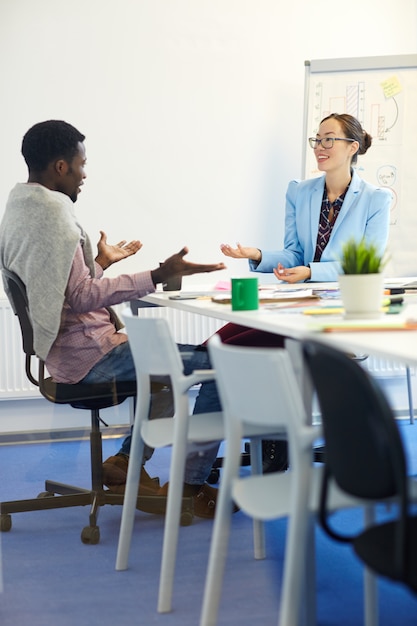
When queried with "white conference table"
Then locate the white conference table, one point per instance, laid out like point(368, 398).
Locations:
point(398, 345)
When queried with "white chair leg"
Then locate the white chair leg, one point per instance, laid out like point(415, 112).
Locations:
point(259, 549)
point(296, 545)
point(172, 519)
point(133, 473)
point(220, 540)
point(129, 505)
point(132, 402)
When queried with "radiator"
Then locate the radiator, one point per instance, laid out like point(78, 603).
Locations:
point(383, 368)
point(13, 380)
point(186, 328)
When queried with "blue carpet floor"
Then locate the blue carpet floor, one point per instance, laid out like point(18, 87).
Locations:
point(52, 579)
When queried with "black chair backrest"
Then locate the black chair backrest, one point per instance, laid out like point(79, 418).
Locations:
point(81, 396)
point(364, 450)
point(19, 302)
point(365, 456)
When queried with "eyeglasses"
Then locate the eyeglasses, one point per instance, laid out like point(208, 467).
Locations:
point(326, 142)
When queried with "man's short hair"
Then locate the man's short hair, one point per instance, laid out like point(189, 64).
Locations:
point(49, 141)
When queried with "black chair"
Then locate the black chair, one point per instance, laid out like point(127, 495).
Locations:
point(80, 396)
point(365, 457)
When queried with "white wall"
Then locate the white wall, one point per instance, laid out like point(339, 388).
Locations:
point(192, 108)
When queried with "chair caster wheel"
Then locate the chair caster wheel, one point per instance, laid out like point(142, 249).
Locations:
point(214, 476)
point(5, 522)
point(90, 535)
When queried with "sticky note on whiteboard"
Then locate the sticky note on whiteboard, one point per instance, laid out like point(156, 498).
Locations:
point(391, 87)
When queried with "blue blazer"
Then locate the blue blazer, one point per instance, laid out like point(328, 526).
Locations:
point(364, 214)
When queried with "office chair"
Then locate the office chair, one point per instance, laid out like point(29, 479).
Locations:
point(365, 457)
point(214, 475)
point(258, 386)
point(156, 353)
point(92, 397)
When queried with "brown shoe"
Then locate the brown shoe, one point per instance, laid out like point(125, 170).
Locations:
point(115, 474)
point(115, 470)
point(204, 500)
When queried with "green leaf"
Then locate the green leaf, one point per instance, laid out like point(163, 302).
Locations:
point(360, 257)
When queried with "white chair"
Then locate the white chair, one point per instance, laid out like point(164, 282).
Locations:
point(155, 353)
point(259, 385)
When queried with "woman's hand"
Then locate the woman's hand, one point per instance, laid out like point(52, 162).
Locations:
point(241, 252)
point(107, 254)
point(292, 274)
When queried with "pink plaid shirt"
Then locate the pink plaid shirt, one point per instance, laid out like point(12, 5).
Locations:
point(86, 333)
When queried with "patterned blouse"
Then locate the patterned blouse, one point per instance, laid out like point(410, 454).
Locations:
point(328, 215)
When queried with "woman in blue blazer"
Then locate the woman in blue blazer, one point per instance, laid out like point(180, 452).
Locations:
point(323, 213)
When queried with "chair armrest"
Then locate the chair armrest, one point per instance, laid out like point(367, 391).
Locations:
point(197, 377)
point(204, 374)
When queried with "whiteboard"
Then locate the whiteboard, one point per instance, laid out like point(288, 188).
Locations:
point(381, 92)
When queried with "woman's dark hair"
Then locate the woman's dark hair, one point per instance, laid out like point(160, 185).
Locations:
point(352, 130)
point(48, 141)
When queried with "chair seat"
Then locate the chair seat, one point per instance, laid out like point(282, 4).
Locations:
point(92, 396)
point(254, 494)
point(85, 396)
point(376, 546)
point(202, 427)
point(160, 433)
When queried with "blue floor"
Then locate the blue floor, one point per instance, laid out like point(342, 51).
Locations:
point(52, 579)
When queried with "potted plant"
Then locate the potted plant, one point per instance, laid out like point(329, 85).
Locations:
point(362, 282)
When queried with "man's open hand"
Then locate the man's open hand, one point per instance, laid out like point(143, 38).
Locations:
point(108, 254)
point(176, 265)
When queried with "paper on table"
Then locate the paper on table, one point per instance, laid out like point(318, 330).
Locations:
point(303, 295)
point(324, 310)
point(223, 285)
point(355, 326)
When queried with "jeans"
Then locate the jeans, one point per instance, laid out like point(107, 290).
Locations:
point(118, 365)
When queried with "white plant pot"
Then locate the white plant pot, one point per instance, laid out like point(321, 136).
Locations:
point(362, 295)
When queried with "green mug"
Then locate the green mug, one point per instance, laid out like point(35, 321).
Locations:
point(245, 294)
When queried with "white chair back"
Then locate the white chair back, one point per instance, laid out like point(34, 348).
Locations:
point(158, 354)
point(258, 386)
